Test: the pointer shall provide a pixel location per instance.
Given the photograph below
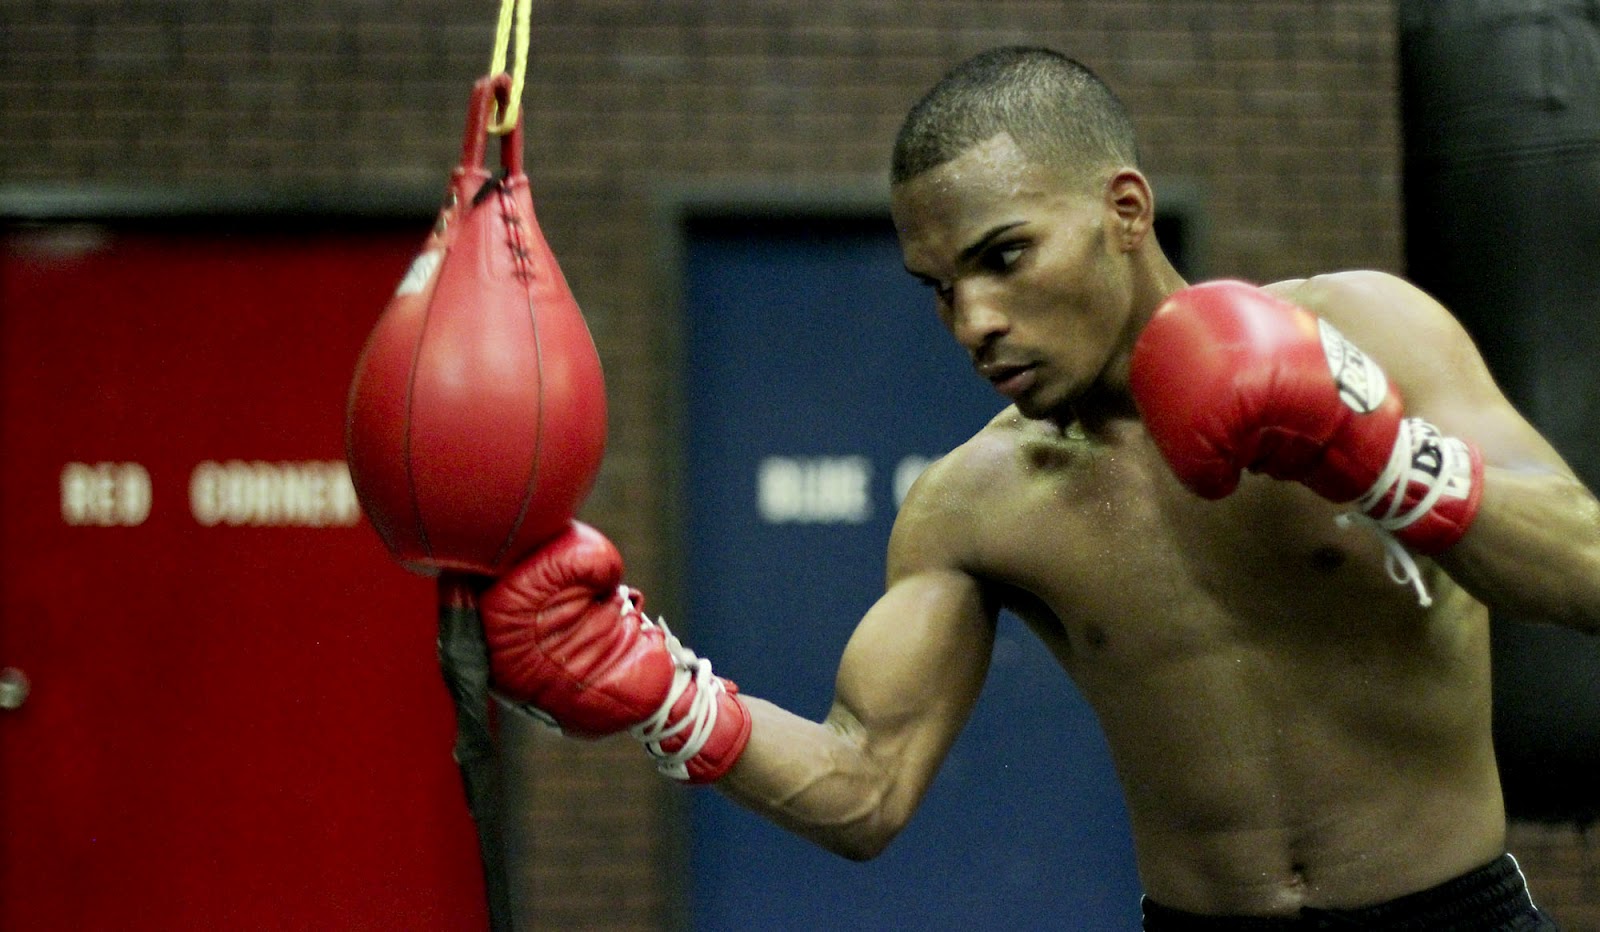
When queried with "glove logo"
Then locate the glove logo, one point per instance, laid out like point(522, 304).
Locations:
point(1362, 385)
point(1434, 465)
point(1428, 459)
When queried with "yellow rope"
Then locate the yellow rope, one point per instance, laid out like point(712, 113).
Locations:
point(505, 122)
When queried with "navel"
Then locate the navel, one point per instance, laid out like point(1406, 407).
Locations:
point(1327, 559)
point(1297, 875)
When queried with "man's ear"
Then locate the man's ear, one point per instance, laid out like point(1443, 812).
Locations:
point(1132, 205)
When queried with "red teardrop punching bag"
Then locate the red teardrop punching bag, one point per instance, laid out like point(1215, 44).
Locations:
point(477, 415)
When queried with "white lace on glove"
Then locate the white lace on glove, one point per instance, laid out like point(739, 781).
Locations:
point(1415, 436)
point(701, 718)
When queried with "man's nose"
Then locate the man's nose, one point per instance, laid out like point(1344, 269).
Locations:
point(976, 318)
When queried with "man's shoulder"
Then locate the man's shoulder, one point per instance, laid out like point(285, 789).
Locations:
point(985, 458)
point(1415, 338)
point(1360, 299)
point(1351, 286)
point(1424, 352)
point(948, 505)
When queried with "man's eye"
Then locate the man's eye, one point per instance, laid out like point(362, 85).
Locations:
point(1002, 258)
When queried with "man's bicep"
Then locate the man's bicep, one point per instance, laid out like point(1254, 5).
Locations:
point(913, 669)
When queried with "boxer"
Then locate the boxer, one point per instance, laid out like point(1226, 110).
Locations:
point(1201, 499)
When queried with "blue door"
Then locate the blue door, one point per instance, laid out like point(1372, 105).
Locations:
point(818, 383)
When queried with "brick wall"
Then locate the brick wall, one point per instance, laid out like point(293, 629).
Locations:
point(1281, 113)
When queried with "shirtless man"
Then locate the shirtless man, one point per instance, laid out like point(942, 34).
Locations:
point(1292, 674)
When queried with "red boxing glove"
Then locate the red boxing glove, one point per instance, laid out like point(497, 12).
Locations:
point(566, 638)
point(1229, 377)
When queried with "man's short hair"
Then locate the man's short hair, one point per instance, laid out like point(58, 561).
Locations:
point(1056, 110)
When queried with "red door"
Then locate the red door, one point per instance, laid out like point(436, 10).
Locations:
point(233, 718)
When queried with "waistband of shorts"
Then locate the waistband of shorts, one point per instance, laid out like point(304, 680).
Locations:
point(1484, 898)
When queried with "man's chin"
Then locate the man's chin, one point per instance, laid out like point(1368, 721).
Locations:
point(1031, 406)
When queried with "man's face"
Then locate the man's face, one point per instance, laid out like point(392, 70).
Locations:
point(1025, 270)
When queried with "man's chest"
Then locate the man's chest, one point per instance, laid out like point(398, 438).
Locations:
point(1104, 545)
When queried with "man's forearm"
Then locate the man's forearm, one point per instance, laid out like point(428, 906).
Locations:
point(1533, 549)
point(816, 780)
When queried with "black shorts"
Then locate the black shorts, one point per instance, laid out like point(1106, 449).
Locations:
point(1493, 898)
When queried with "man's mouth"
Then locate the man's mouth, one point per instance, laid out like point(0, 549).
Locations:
point(1009, 380)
